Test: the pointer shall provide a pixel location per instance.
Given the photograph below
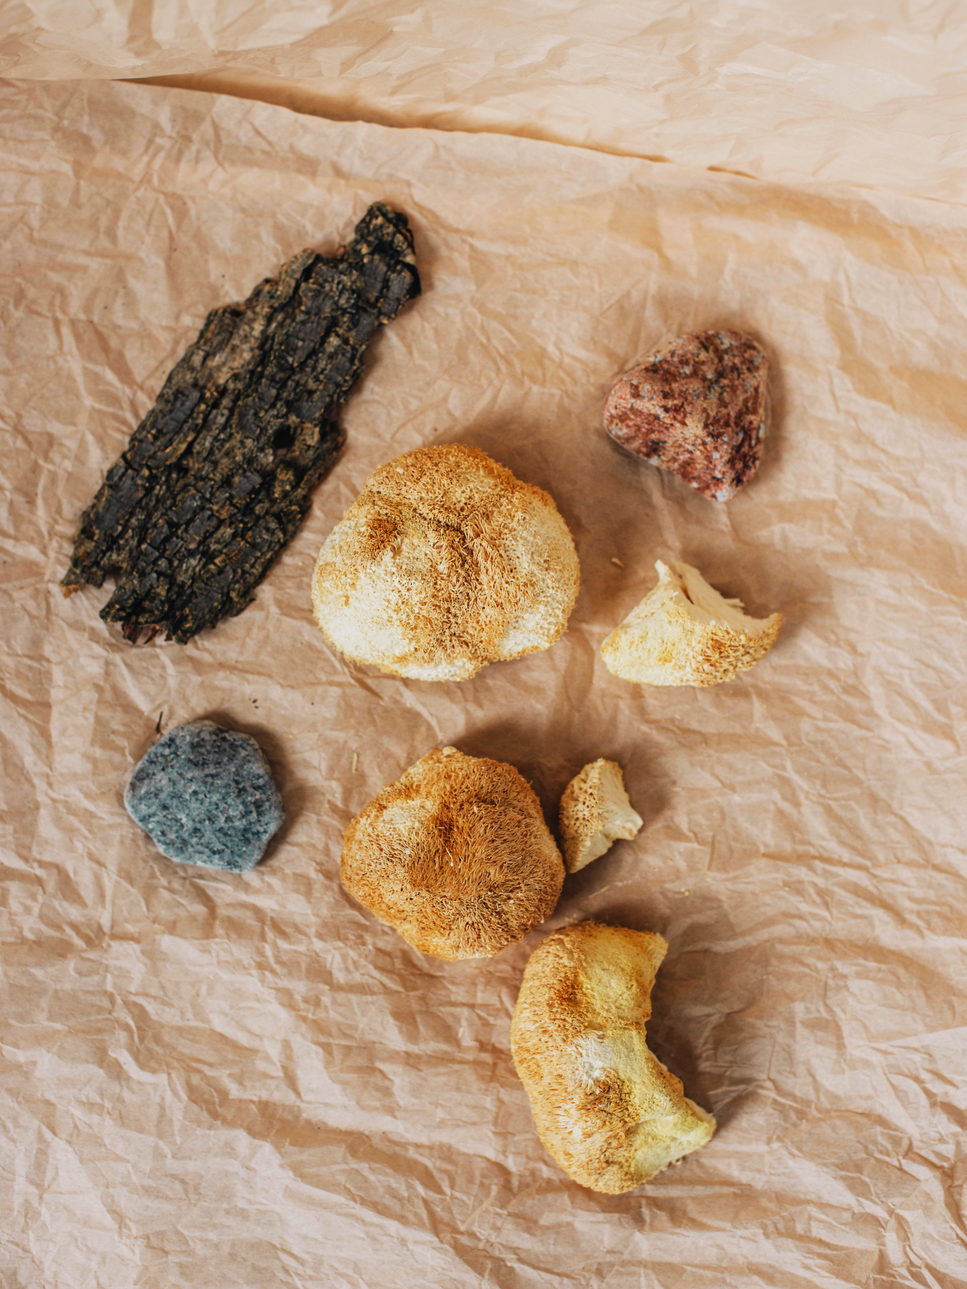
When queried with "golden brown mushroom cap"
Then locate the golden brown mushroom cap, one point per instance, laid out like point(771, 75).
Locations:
point(455, 855)
point(444, 563)
point(605, 1108)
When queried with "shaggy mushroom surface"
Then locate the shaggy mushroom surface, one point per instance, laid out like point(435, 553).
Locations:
point(605, 1108)
point(685, 633)
point(595, 811)
point(444, 563)
point(455, 855)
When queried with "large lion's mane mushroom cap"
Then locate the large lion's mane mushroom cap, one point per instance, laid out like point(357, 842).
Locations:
point(605, 1108)
point(685, 633)
point(444, 563)
point(455, 855)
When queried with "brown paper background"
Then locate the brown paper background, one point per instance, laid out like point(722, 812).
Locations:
point(214, 1080)
point(863, 93)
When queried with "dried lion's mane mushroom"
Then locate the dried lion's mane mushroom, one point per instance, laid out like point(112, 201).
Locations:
point(595, 811)
point(685, 633)
point(445, 562)
point(455, 855)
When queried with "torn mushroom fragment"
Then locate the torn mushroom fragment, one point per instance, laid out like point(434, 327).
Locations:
point(696, 408)
point(595, 811)
point(455, 855)
point(685, 633)
point(605, 1108)
point(445, 562)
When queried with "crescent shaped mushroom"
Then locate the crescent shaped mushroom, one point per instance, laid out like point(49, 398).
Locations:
point(606, 1109)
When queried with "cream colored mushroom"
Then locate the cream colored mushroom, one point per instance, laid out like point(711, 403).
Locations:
point(455, 855)
point(444, 563)
point(605, 1108)
point(685, 633)
point(595, 811)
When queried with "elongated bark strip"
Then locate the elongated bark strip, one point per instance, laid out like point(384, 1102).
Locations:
point(219, 474)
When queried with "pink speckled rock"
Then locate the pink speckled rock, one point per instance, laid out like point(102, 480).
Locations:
point(697, 408)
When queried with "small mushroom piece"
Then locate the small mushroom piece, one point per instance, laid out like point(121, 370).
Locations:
point(685, 633)
point(605, 1108)
point(455, 855)
point(595, 811)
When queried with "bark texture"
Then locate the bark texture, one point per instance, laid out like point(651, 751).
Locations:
point(219, 475)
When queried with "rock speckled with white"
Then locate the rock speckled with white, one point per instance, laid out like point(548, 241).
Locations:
point(696, 408)
point(205, 795)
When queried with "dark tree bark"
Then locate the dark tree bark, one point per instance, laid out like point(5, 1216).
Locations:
point(219, 474)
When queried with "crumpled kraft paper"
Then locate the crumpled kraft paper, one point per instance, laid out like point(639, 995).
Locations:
point(864, 94)
point(217, 1080)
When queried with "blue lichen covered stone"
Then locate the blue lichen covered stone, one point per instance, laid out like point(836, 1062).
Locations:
point(205, 795)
